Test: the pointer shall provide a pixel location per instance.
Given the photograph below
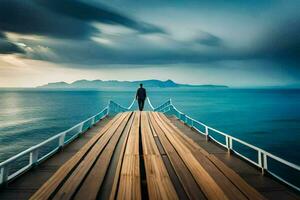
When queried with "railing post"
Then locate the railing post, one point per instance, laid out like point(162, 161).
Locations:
point(182, 118)
point(178, 115)
point(185, 119)
point(34, 157)
point(108, 107)
point(262, 162)
point(4, 174)
point(172, 109)
point(188, 121)
point(61, 140)
point(93, 121)
point(206, 133)
point(80, 128)
point(228, 143)
point(265, 164)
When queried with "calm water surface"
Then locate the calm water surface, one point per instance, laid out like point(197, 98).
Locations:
point(268, 118)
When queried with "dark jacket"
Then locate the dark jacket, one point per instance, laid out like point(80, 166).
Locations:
point(141, 94)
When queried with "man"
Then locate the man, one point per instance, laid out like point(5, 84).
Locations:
point(141, 96)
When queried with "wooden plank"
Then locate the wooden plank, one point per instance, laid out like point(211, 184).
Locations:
point(158, 181)
point(133, 140)
point(148, 143)
point(207, 184)
point(48, 188)
point(130, 181)
point(113, 192)
point(92, 183)
point(224, 183)
point(235, 179)
point(187, 180)
point(249, 191)
point(70, 186)
point(188, 141)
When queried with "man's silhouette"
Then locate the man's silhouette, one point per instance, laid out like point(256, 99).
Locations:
point(141, 96)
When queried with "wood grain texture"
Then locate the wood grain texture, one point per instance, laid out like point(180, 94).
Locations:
point(188, 141)
point(158, 181)
point(249, 191)
point(130, 180)
point(232, 176)
point(187, 180)
point(114, 188)
point(166, 152)
point(207, 184)
point(92, 183)
point(47, 189)
point(67, 190)
point(231, 190)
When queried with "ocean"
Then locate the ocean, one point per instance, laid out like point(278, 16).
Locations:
point(267, 118)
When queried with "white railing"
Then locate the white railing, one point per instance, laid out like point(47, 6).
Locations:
point(132, 103)
point(34, 158)
point(9, 169)
point(263, 157)
point(34, 155)
point(116, 108)
point(150, 104)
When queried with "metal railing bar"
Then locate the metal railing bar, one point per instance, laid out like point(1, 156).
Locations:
point(248, 159)
point(220, 143)
point(150, 104)
point(29, 151)
point(165, 107)
point(292, 165)
point(48, 155)
point(19, 172)
point(242, 142)
point(262, 154)
point(132, 103)
point(284, 181)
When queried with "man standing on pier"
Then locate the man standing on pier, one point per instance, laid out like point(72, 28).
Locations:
point(141, 96)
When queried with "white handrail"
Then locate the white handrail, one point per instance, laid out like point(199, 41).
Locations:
point(132, 103)
point(168, 106)
point(33, 151)
point(263, 155)
point(167, 103)
point(113, 106)
point(150, 104)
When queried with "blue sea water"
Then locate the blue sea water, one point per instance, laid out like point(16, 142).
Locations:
point(267, 118)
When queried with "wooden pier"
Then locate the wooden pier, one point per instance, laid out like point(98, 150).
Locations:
point(144, 155)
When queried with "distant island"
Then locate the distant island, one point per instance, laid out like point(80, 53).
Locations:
point(99, 84)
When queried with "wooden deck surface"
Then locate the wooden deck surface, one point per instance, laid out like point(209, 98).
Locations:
point(144, 155)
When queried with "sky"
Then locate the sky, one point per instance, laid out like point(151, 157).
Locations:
point(237, 43)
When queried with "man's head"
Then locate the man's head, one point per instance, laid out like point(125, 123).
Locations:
point(141, 85)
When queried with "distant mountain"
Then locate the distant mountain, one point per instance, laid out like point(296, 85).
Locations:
point(99, 84)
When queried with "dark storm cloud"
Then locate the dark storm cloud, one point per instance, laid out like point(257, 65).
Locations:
point(208, 39)
point(25, 17)
point(280, 46)
point(281, 41)
point(70, 21)
point(61, 18)
point(86, 12)
point(7, 47)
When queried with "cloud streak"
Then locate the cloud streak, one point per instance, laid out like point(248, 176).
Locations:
point(7, 47)
point(82, 11)
point(70, 36)
point(69, 19)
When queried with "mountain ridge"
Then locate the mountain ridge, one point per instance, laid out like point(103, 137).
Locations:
point(99, 84)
